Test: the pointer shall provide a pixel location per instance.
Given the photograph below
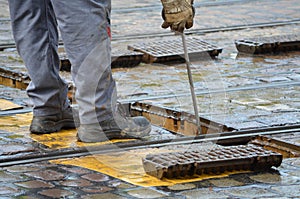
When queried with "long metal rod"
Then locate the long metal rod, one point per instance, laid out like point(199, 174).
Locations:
point(206, 92)
point(188, 66)
point(194, 31)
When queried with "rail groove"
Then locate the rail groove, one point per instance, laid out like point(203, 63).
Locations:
point(228, 138)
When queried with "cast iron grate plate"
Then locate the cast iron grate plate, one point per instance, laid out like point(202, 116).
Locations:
point(120, 59)
point(213, 161)
point(172, 49)
point(13, 77)
point(269, 44)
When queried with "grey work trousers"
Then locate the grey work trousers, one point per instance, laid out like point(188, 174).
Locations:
point(84, 27)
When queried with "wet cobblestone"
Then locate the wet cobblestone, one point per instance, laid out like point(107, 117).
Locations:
point(46, 175)
point(278, 106)
point(96, 177)
point(250, 191)
point(55, 193)
point(280, 183)
point(34, 184)
point(146, 193)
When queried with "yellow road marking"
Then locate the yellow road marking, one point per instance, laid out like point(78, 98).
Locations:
point(128, 167)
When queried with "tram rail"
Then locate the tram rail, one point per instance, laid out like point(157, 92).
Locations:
point(227, 139)
point(198, 31)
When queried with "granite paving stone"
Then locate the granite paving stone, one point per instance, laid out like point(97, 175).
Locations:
point(56, 193)
point(96, 177)
point(97, 189)
point(15, 148)
point(146, 193)
point(296, 162)
point(120, 184)
point(182, 187)
point(268, 178)
point(288, 191)
point(46, 175)
point(8, 177)
point(231, 69)
point(274, 198)
point(250, 191)
point(76, 183)
point(226, 182)
point(6, 190)
point(22, 169)
point(103, 196)
point(76, 170)
point(203, 193)
point(33, 184)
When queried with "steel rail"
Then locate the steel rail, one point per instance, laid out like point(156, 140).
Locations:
point(228, 138)
point(15, 111)
point(196, 5)
point(199, 31)
point(116, 9)
point(204, 92)
point(202, 31)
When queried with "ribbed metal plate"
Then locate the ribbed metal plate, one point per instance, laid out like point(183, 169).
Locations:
point(216, 160)
point(120, 59)
point(125, 58)
point(268, 44)
point(13, 78)
point(283, 146)
point(172, 50)
point(176, 121)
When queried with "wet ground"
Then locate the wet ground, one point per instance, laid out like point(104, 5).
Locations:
point(237, 90)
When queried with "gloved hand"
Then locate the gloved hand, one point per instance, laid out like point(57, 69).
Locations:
point(178, 14)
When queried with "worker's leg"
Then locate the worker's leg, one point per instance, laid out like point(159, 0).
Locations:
point(84, 27)
point(35, 32)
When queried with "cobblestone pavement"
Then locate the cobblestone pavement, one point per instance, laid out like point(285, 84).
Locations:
point(241, 109)
point(46, 180)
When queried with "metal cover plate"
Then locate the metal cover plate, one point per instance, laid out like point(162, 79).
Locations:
point(120, 59)
point(217, 160)
point(172, 49)
point(268, 44)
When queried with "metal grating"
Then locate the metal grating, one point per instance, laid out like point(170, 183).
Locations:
point(125, 58)
point(269, 44)
point(217, 160)
point(13, 78)
point(172, 50)
point(176, 121)
point(283, 146)
point(120, 59)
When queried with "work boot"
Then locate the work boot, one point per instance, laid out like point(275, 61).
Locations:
point(115, 128)
point(52, 123)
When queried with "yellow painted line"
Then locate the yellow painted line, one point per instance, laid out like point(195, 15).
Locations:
point(19, 124)
point(127, 166)
point(8, 105)
point(66, 139)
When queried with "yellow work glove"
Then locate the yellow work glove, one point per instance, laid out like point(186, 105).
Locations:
point(178, 14)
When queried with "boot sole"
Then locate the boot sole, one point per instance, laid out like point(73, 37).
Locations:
point(63, 124)
point(109, 136)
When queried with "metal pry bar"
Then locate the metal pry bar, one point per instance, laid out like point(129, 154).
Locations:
point(188, 66)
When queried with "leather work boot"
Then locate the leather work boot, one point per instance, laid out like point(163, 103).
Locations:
point(116, 128)
point(52, 123)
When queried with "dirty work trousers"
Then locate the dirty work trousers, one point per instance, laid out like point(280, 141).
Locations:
point(84, 26)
